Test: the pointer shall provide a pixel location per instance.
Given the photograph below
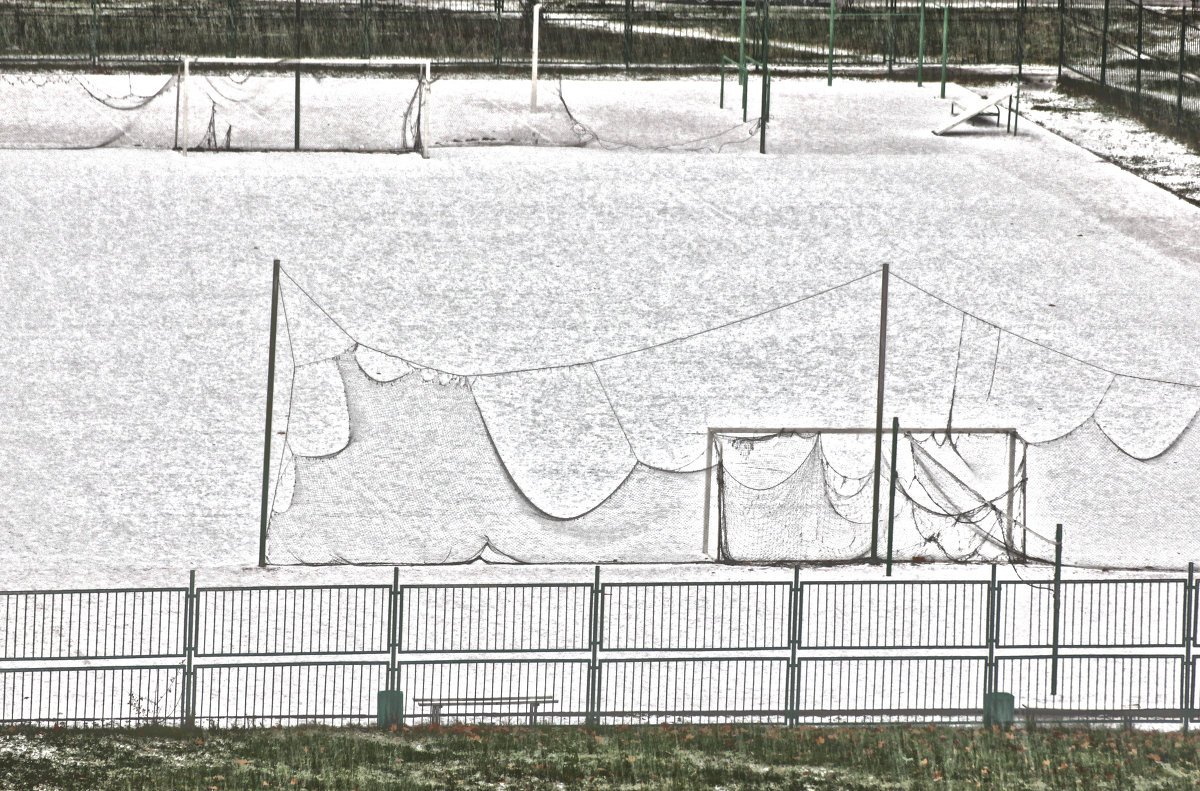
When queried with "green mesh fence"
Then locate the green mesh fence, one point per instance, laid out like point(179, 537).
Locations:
point(621, 33)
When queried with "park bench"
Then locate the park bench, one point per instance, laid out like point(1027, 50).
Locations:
point(435, 705)
point(980, 107)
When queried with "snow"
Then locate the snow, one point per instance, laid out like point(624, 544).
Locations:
point(137, 284)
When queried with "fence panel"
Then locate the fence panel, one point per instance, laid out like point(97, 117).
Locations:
point(1092, 614)
point(894, 615)
point(264, 621)
point(712, 616)
point(95, 624)
point(1094, 688)
point(128, 695)
point(462, 618)
point(873, 689)
point(698, 690)
point(252, 695)
point(496, 690)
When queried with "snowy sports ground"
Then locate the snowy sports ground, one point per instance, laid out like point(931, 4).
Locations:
point(1040, 289)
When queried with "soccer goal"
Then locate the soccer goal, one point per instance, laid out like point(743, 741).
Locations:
point(222, 104)
point(786, 494)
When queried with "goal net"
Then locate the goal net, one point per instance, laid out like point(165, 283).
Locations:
point(217, 104)
point(809, 494)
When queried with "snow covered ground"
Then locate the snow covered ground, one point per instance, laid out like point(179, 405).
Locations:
point(138, 287)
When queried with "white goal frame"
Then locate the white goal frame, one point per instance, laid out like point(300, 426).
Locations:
point(349, 64)
point(751, 431)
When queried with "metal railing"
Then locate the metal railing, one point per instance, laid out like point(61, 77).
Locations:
point(604, 652)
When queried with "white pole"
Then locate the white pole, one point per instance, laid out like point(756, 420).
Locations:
point(537, 15)
point(184, 112)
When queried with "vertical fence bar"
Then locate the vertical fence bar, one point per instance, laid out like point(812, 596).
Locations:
point(297, 101)
point(1062, 12)
point(189, 651)
point(765, 101)
point(629, 33)
point(832, 14)
point(1020, 39)
point(1137, 102)
point(94, 33)
point(1057, 606)
point(990, 681)
point(596, 635)
point(891, 35)
point(945, 38)
point(1182, 57)
point(892, 491)
point(1187, 688)
point(1104, 47)
point(921, 49)
point(231, 30)
point(365, 11)
point(792, 703)
point(393, 635)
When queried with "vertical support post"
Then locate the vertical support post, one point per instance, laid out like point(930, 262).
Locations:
point(1009, 540)
point(596, 636)
point(708, 473)
point(231, 30)
point(94, 33)
point(366, 28)
point(1104, 48)
point(990, 683)
point(891, 35)
point(921, 49)
point(499, 22)
point(1182, 59)
point(1187, 690)
point(181, 115)
point(765, 109)
point(423, 120)
point(266, 481)
point(533, 78)
point(297, 100)
point(892, 495)
point(1062, 11)
point(883, 303)
point(945, 39)
point(1020, 39)
point(743, 69)
point(629, 33)
point(189, 653)
point(795, 602)
point(832, 15)
point(393, 637)
point(1057, 606)
point(1137, 102)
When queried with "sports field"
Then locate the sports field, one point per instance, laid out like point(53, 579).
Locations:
point(138, 295)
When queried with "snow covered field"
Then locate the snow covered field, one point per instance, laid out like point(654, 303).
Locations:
point(138, 285)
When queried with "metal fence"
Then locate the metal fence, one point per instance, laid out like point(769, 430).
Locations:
point(1146, 55)
point(497, 33)
point(604, 652)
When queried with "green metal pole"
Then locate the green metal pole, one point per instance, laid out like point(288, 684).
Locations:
point(793, 644)
point(1104, 48)
point(628, 33)
point(189, 650)
point(499, 19)
point(94, 31)
point(1057, 604)
point(743, 73)
point(921, 49)
point(832, 14)
point(891, 34)
point(366, 28)
point(766, 80)
point(1062, 11)
point(1020, 39)
point(1189, 679)
point(297, 102)
point(993, 619)
point(231, 30)
point(1182, 57)
point(892, 495)
point(883, 306)
point(593, 701)
point(266, 481)
point(1138, 95)
point(945, 38)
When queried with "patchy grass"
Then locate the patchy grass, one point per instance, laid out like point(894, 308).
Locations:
point(567, 757)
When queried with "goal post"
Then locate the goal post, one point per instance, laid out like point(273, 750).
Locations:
point(415, 112)
point(973, 478)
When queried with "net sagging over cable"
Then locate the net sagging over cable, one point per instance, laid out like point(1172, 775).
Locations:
point(224, 110)
point(790, 496)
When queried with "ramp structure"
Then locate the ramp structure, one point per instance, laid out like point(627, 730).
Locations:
point(1012, 95)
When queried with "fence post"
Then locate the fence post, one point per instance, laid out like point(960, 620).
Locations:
point(891, 35)
point(366, 27)
point(595, 638)
point(628, 33)
point(1062, 11)
point(499, 13)
point(945, 37)
point(231, 30)
point(393, 639)
point(832, 13)
point(765, 101)
point(990, 683)
point(1020, 39)
point(1188, 681)
point(94, 32)
point(1104, 48)
point(794, 619)
point(1182, 57)
point(921, 49)
point(1057, 601)
point(189, 652)
point(1138, 95)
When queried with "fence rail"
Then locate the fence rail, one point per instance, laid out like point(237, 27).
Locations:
point(604, 652)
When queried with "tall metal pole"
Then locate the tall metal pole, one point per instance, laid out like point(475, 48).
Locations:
point(533, 77)
point(1138, 100)
point(879, 417)
point(708, 473)
point(1104, 47)
point(1010, 540)
point(266, 482)
point(1057, 605)
point(1188, 696)
point(945, 37)
point(1182, 60)
point(297, 121)
point(921, 49)
point(832, 14)
point(892, 495)
point(1062, 36)
point(765, 109)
